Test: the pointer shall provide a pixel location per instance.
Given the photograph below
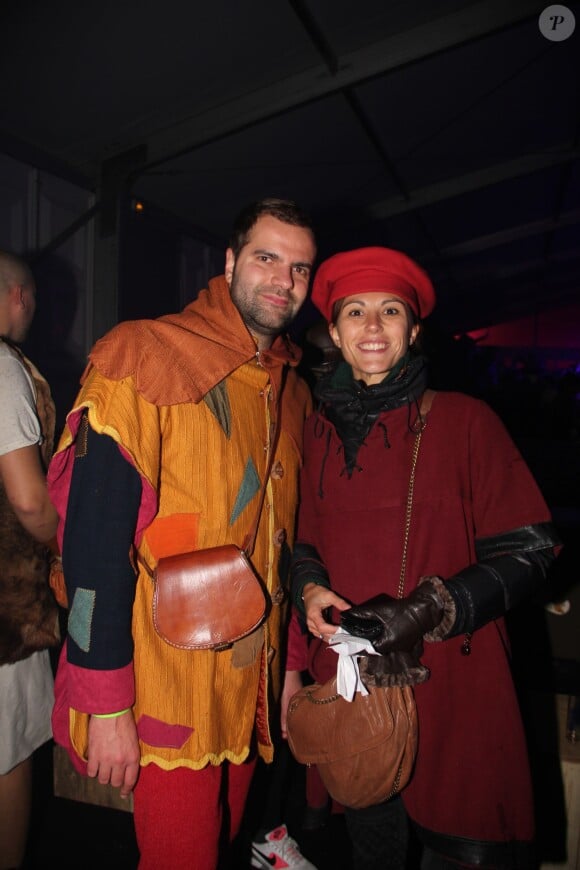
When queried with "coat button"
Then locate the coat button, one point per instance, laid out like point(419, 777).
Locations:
point(279, 537)
point(277, 470)
point(278, 595)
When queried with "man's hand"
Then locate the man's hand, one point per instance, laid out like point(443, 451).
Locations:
point(113, 756)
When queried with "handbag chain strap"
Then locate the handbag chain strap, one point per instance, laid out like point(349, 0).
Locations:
point(420, 427)
point(409, 510)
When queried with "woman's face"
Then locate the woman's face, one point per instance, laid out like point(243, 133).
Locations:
point(373, 332)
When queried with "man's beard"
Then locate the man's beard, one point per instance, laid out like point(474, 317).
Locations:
point(258, 315)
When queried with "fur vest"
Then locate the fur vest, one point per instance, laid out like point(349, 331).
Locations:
point(28, 613)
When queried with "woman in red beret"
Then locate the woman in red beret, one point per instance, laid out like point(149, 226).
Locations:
point(480, 541)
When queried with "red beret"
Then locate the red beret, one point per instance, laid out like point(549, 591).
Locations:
point(372, 270)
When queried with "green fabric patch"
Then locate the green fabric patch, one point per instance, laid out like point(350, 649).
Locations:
point(249, 487)
point(218, 402)
point(81, 617)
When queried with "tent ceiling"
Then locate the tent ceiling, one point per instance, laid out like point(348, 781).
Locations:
point(449, 130)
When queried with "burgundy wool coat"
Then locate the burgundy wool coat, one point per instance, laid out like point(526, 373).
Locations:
point(472, 776)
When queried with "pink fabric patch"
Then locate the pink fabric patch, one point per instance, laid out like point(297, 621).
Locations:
point(60, 713)
point(59, 476)
point(59, 480)
point(158, 733)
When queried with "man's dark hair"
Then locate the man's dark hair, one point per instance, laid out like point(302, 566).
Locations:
point(284, 210)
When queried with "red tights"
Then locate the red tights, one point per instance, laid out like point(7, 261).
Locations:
point(183, 818)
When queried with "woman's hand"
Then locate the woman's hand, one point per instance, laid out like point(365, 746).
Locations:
point(316, 600)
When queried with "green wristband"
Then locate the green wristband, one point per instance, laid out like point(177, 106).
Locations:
point(110, 715)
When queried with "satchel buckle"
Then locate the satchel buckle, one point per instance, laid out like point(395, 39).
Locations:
point(222, 646)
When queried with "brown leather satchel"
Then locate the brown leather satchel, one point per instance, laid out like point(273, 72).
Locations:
point(364, 749)
point(207, 599)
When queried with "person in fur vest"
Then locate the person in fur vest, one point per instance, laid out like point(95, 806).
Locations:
point(28, 521)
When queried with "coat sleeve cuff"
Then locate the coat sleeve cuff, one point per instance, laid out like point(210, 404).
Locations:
point(101, 691)
point(449, 612)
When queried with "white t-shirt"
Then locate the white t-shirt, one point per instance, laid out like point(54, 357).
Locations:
point(19, 424)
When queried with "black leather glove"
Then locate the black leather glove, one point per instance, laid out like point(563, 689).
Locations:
point(404, 620)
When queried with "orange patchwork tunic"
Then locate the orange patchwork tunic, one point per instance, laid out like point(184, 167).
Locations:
point(201, 463)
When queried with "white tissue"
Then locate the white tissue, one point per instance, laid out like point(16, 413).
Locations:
point(348, 647)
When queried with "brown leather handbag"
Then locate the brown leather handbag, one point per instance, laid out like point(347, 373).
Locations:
point(364, 749)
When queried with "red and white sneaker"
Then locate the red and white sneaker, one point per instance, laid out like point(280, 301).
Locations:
point(279, 851)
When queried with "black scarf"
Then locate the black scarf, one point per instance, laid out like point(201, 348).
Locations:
point(353, 407)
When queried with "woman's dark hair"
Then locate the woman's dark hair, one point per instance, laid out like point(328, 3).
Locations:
point(284, 210)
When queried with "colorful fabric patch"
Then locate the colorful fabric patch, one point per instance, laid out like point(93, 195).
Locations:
point(246, 650)
point(217, 400)
point(81, 617)
point(248, 488)
point(158, 733)
point(176, 533)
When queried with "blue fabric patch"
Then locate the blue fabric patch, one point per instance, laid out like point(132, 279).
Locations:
point(81, 617)
point(249, 486)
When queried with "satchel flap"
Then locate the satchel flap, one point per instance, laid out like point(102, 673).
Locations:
point(323, 727)
point(207, 599)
